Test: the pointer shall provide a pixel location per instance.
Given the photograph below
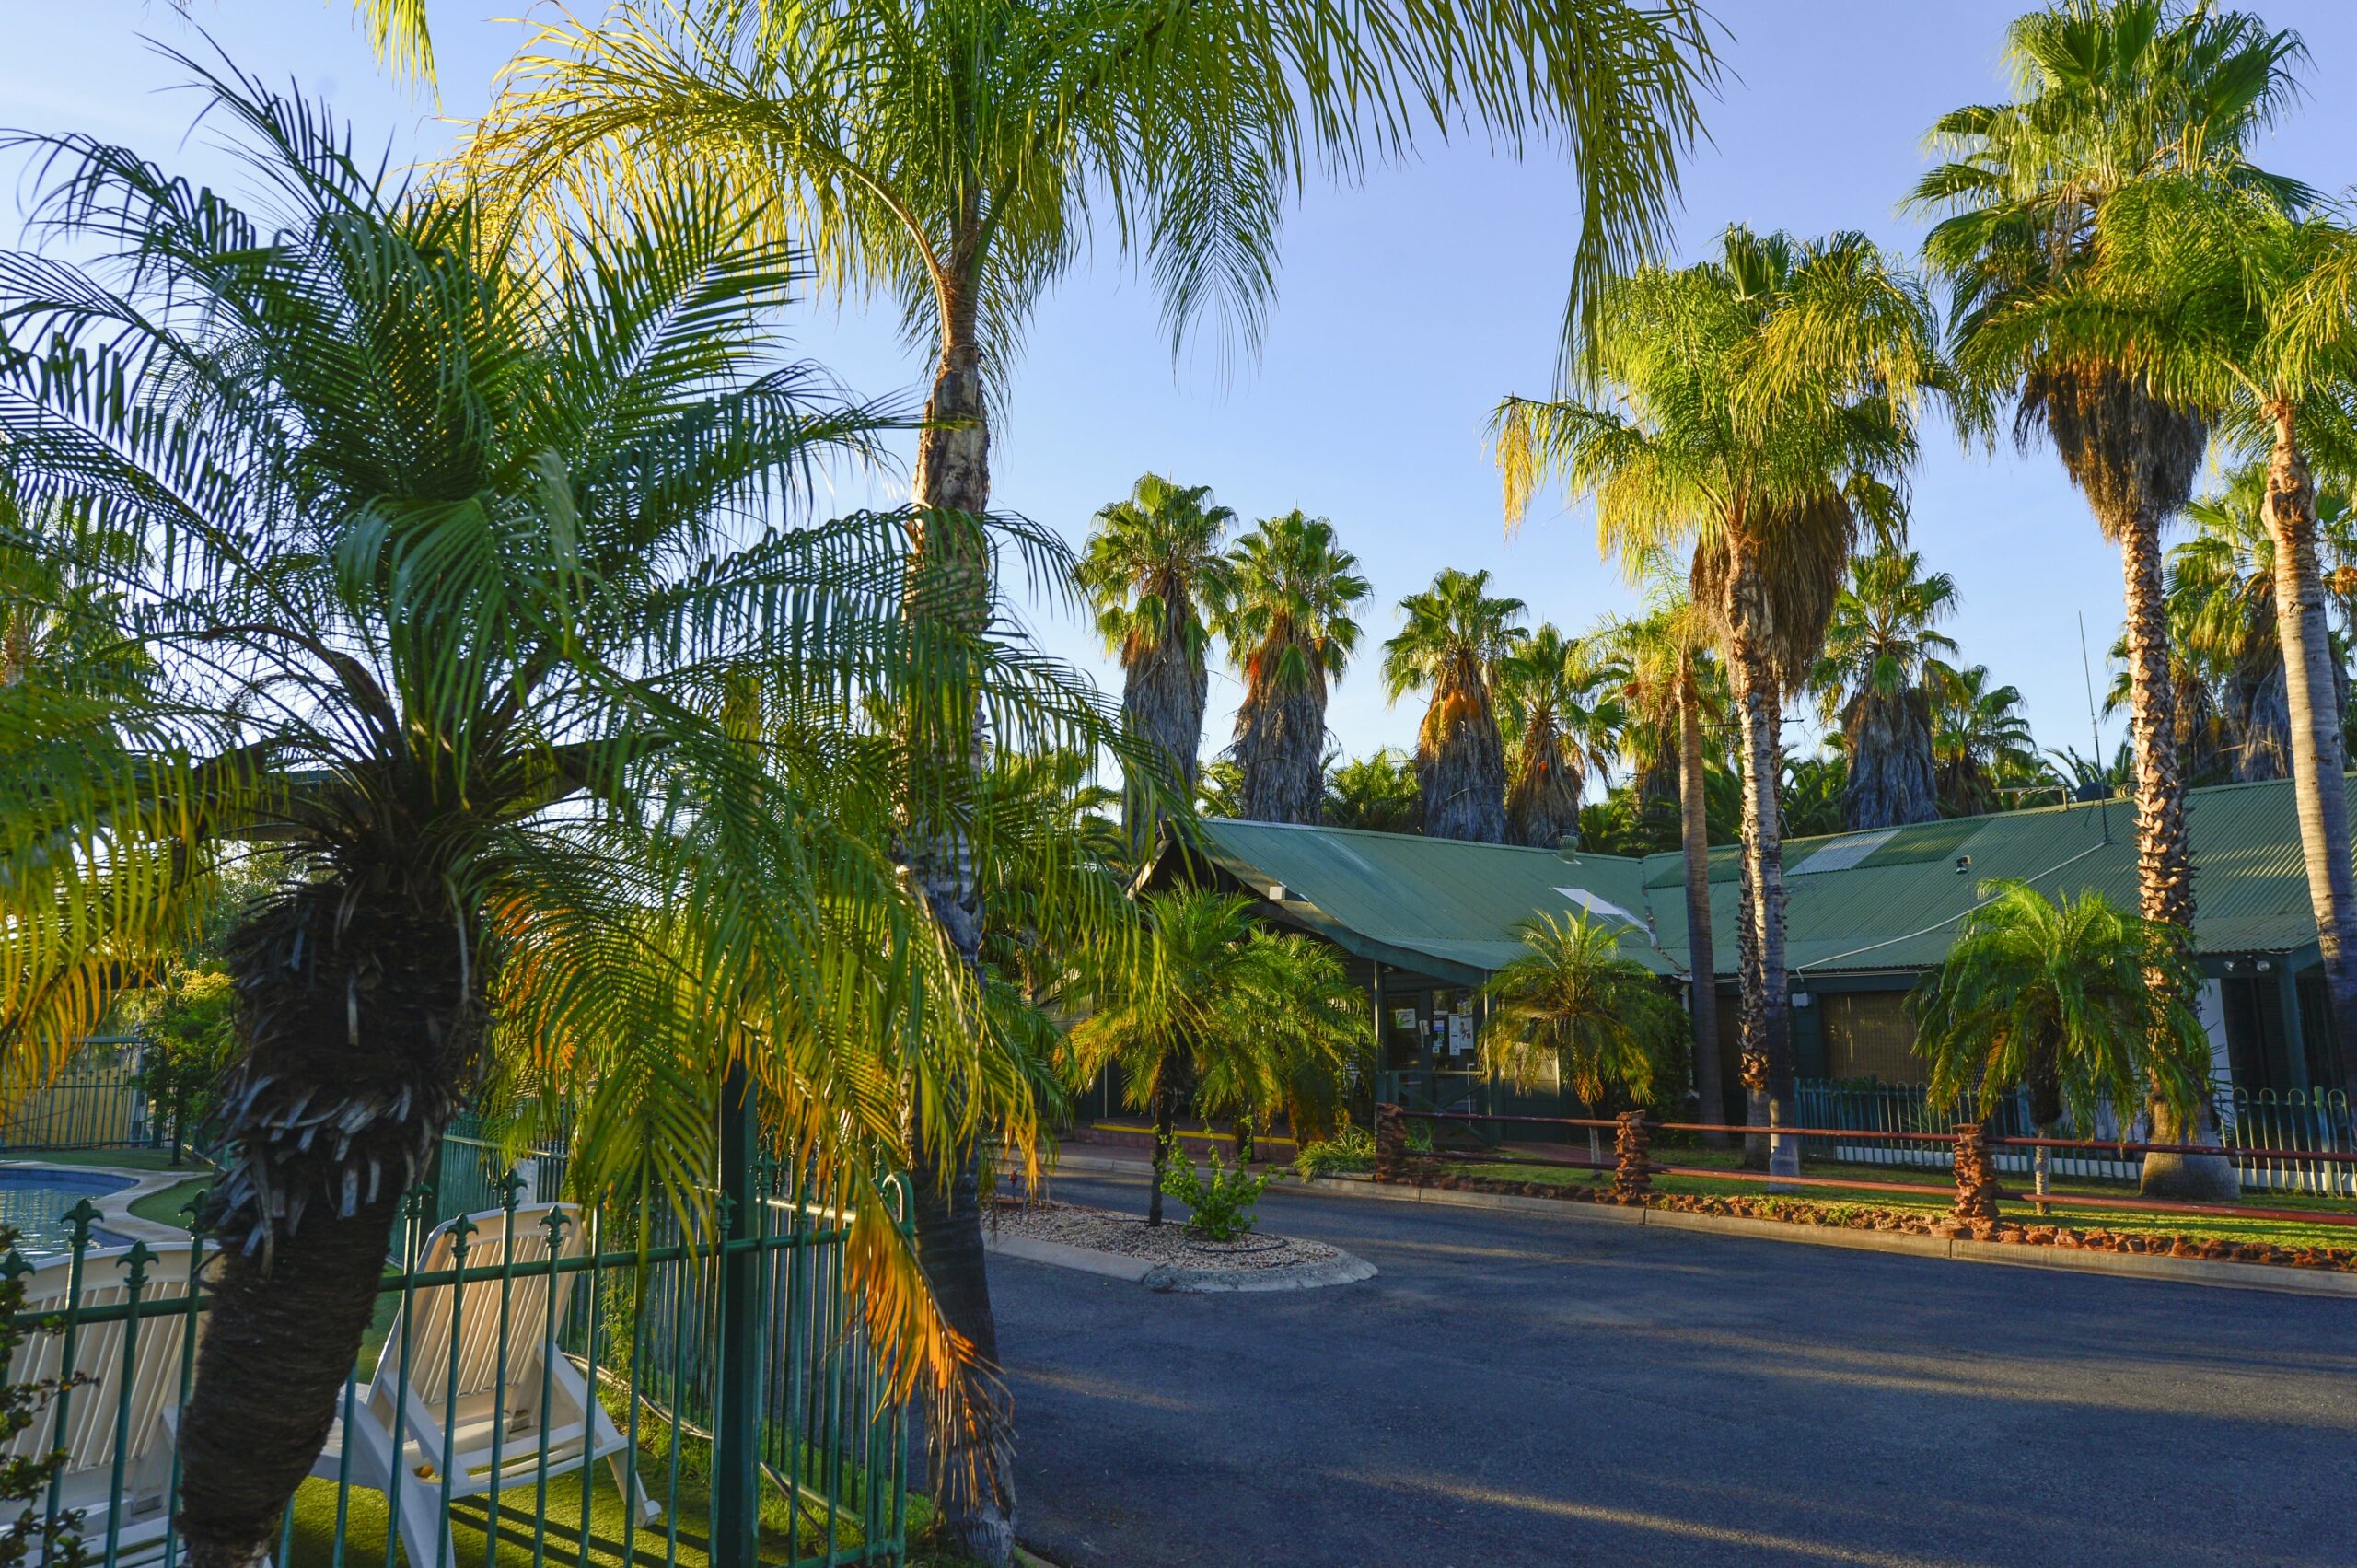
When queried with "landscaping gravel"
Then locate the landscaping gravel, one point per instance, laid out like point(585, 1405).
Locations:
point(1171, 1243)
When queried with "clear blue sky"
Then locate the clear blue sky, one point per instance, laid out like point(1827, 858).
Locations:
point(1406, 307)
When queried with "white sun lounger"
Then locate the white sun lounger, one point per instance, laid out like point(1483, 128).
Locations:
point(147, 1381)
point(443, 1435)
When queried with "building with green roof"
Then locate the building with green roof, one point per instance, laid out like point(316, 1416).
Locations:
point(1424, 922)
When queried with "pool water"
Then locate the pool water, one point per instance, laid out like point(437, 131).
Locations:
point(36, 1202)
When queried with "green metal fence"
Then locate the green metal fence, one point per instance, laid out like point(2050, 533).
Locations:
point(544, 1386)
point(96, 1104)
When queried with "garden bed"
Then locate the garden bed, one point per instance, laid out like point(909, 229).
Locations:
point(1897, 1217)
point(1171, 1245)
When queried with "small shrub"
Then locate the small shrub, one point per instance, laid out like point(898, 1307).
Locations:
point(1419, 1137)
point(1350, 1148)
point(1221, 1208)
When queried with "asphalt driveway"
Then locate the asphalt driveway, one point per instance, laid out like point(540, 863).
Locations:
point(1521, 1390)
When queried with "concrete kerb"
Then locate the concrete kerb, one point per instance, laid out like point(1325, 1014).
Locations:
point(2129, 1265)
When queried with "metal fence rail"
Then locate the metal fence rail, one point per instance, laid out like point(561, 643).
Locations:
point(551, 1385)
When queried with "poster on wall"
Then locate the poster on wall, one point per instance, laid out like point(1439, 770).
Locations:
point(1461, 1033)
point(1404, 1018)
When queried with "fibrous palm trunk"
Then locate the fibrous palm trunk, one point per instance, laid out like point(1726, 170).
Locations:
point(1543, 794)
point(1767, 1012)
point(971, 1464)
point(2318, 757)
point(1163, 694)
point(1461, 768)
point(1694, 839)
point(2164, 859)
point(362, 1024)
point(1891, 781)
point(2263, 719)
point(1280, 745)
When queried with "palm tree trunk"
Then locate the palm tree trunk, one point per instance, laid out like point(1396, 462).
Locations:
point(1767, 1020)
point(1694, 836)
point(950, 578)
point(1752, 1065)
point(279, 1343)
point(2318, 757)
point(2163, 860)
point(1280, 745)
point(362, 1020)
point(1163, 696)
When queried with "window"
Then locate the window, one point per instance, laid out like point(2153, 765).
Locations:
point(1868, 1035)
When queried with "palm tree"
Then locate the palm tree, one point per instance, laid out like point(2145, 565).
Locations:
point(1377, 793)
point(1236, 1019)
point(61, 614)
point(1570, 1005)
point(435, 531)
point(1560, 725)
point(1870, 679)
point(2112, 92)
point(1673, 687)
point(2060, 996)
point(1288, 628)
point(957, 155)
point(1978, 737)
point(2239, 307)
point(1813, 795)
point(1455, 640)
point(1753, 406)
point(1152, 566)
point(1309, 1027)
point(2219, 602)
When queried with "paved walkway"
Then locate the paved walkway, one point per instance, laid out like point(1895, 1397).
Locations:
point(1520, 1391)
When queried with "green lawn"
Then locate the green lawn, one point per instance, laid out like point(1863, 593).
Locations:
point(170, 1206)
point(613, 1537)
point(1939, 1193)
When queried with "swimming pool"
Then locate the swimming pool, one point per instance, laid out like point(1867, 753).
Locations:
point(36, 1202)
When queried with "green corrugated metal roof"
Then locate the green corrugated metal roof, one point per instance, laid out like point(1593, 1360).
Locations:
point(1437, 905)
point(1449, 907)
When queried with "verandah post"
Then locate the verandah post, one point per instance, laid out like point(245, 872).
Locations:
point(737, 1425)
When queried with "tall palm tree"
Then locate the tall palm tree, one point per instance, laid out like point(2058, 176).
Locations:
point(1570, 1003)
point(2239, 307)
point(1377, 793)
point(2111, 93)
point(436, 531)
point(1454, 641)
point(1153, 565)
point(1979, 739)
point(958, 155)
point(1230, 1017)
point(1560, 723)
point(1288, 627)
point(1674, 685)
point(1869, 680)
point(2059, 996)
point(1754, 407)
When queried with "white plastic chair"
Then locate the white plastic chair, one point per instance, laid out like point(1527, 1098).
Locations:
point(147, 1380)
point(447, 1435)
